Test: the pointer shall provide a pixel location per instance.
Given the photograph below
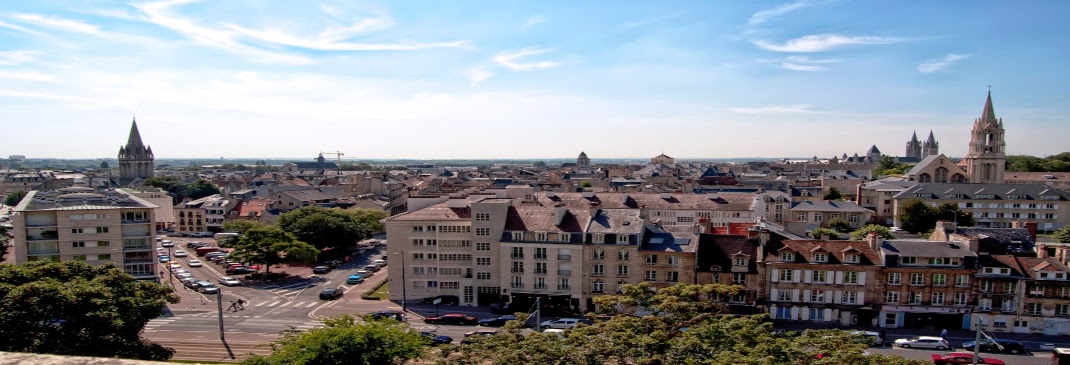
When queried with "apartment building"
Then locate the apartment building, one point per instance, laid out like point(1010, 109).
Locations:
point(1045, 297)
point(807, 215)
point(844, 181)
point(927, 284)
point(203, 215)
point(668, 255)
point(165, 211)
point(997, 205)
point(879, 197)
point(823, 281)
point(85, 224)
point(732, 260)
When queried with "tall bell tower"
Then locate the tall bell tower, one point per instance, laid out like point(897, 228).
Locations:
point(135, 159)
point(987, 160)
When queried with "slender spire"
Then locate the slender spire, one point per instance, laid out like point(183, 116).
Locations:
point(931, 140)
point(134, 142)
point(914, 139)
point(988, 116)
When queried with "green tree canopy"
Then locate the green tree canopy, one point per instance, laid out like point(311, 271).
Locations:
point(915, 216)
point(343, 341)
point(368, 217)
point(1062, 234)
point(172, 185)
point(73, 308)
point(14, 198)
point(816, 233)
point(1053, 163)
point(240, 226)
point(201, 188)
point(270, 245)
point(5, 242)
point(833, 194)
point(103, 164)
point(837, 224)
point(323, 227)
point(864, 232)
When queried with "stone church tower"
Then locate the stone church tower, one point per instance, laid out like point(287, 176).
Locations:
point(986, 161)
point(921, 150)
point(135, 159)
point(583, 161)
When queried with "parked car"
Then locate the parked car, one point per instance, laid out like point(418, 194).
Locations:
point(395, 315)
point(195, 263)
point(183, 275)
point(321, 269)
point(202, 251)
point(452, 319)
point(960, 358)
point(446, 300)
point(471, 335)
point(371, 267)
point(927, 342)
point(167, 243)
point(437, 339)
point(190, 283)
point(364, 273)
point(195, 244)
point(240, 270)
point(176, 234)
point(354, 279)
point(497, 321)
point(503, 309)
point(331, 294)
point(379, 263)
point(334, 264)
point(873, 337)
point(181, 253)
point(207, 287)
point(229, 281)
point(1009, 346)
point(562, 323)
point(165, 258)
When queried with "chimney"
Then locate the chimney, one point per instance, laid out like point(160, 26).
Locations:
point(873, 240)
point(974, 244)
point(825, 237)
point(623, 199)
point(457, 202)
point(1042, 251)
point(595, 209)
point(559, 214)
point(1032, 227)
point(943, 230)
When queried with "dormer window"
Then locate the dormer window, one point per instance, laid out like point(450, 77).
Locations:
point(997, 270)
point(598, 238)
point(908, 260)
point(622, 239)
point(541, 236)
point(518, 236)
point(851, 258)
point(739, 261)
point(787, 256)
point(1048, 275)
point(821, 257)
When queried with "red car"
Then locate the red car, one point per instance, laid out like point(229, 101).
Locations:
point(956, 358)
point(452, 319)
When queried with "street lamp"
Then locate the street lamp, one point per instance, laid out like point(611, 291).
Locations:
point(404, 284)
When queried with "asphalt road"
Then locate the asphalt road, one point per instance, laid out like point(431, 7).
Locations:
point(1039, 358)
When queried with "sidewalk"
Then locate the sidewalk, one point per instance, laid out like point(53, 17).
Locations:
point(955, 336)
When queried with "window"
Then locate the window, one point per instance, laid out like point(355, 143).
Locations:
point(622, 238)
point(817, 217)
point(786, 275)
point(78, 257)
point(962, 280)
point(817, 276)
point(598, 270)
point(821, 257)
point(518, 267)
point(77, 244)
point(672, 261)
point(599, 254)
point(540, 253)
point(540, 283)
point(651, 259)
point(104, 256)
point(1062, 310)
point(987, 286)
point(891, 297)
point(622, 255)
point(483, 246)
point(784, 296)
point(1063, 292)
point(518, 252)
point(787, 256)
point(599, 287)
point(651, 275)
point(942, 261)
point(482, 231)
point(801, 217)
point(915, 297)
point(541, 236)
point(739, 279)
point(939, 279)
point(851, 258)
point(1033, 309)
point(483, 217)
point(598, 238)
point(1008, 288)
point(540, 267)
point(850, 277)
point(938, 298)
point(817, 315)
point(518, 282)
point(739, 261)
point(102, 229)
point(917, 279)
point(76, 230)
point(908, 260)
point(517, 236)
point(622, 270)
point(483, 275)
point(849, 297)
point(817, 296)
point(564, 237)
point(960, 299)
point(483, 261)
point(895, 278)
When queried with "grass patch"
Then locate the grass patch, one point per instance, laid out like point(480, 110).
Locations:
point(378, 292)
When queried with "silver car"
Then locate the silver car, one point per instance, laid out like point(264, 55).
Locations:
point(923, 342)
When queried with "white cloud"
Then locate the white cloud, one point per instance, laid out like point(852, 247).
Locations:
point(765, 15)
point(511, 60)
point(532, 21)
point(478, 74)
point(329, 40)
point(799, 67)
point(10, 58)
point(643, 22)
point(58, 23)
point(801, 63)
point(27, 76)
point(22, 29)
point(37, 95)
point(776, 109)
point(938, 64)
point(824, 42)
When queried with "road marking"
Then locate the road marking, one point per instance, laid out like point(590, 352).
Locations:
point(260, 304)
point(299, 304)
point(274, 303)
point(310, 305)
point(284, 304)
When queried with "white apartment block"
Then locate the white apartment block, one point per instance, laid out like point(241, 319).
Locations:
point(85, 224)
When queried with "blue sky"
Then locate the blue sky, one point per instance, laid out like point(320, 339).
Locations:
point(536, 79)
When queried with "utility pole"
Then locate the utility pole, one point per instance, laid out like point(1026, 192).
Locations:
point(404, 284)
point(170, 257)
point(977, 342)
point(219, 308)
point(538, 314)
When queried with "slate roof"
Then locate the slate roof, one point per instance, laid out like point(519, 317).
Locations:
point(437, 212)
point(1032, 266)
point(1006, 261)
point(718, 251)
point(309, 195)
point(540, 219)
point(926, 248)
point(829, 206)
point(970, 191)
point(917, 169)
point(624, 221)
point(835, 249)
point(724, 201)
point(669, 239)
point(1000, 241)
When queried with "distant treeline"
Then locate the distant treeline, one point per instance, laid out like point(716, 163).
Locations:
point(1053, 163)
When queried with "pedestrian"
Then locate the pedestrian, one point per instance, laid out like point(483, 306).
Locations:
point(884, 337)
point(241, 304)
point(943, 333)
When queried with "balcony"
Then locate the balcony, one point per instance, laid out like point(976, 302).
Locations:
point(984, 308)
point(136, 221)
point(48, 251)
point(518, 271)
point(517, 285)
point(137, 260)
point(518, 256)
point(564, 287)
point(540, 272)
point(540, 286)
point(564, 272)
point(598, 274)
point(564, 257)
point(622, 275)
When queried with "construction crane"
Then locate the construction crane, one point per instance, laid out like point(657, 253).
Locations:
point(337, 154)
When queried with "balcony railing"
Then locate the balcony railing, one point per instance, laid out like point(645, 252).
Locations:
point(540, 257)
point(540, 286)
point(622, 275)
point(44, 251)
point(540, 272)
point(564, 257)
point(564, 272)
point(597, 274)
point(518, 285)
point(564, 287)
point(130, 260)
point(518, 256)
point(518, 271)
point(133, 221)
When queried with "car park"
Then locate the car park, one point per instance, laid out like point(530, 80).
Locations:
point(181, 253)
point(1008, 346)
point(452, 318)
point(561, 323)
point(497, 321)
point(207, 287)
point(354, 279)
point(229, 281)
point(927, 342)
point(194, 263)
point(167, 243)
point(331, 294)
point(446, 300)
point(321, 269)
point(960, 358)
point(165, 258)
point(392, 314)
point(437, 339)
point(240, 270)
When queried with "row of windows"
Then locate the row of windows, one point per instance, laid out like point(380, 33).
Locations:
point(669, 260)
point(81, 244)
point(1008, 205)
point(83, 230)
point(917, 297)
point(87, 217)
point(600, 270)
point(896, 278)
point(455, 229)
point(850, 258)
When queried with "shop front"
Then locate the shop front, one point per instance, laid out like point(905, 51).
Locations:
point(926, 317)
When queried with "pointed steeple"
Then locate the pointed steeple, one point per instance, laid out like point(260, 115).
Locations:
point(931, 140)
point(134, 141)
point(914, 138)
point(988, 115)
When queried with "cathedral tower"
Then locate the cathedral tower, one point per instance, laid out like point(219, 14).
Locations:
point(914, 147)
point(583, 161)
point(930, 147)
point(135, 159)
point(986, 161)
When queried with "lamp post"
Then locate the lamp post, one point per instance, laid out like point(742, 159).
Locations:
point(404, 284)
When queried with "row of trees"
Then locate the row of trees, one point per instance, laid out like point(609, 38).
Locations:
point(1053, 163)
point(685, 326)
point(916, 217)
point(857, 235)
point(180, 190)
point(13, 198)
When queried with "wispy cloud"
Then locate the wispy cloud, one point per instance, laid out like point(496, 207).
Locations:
point(764, 15)
point(57, 23)
point(824, 42)
point(478, 74)
point(938, 64)
point(801, 63)
point(800, 67)
point(512, 60)
point(533, 21)
point(777, 109)
point(22, 29)
point(27, 76)
point(329, 40)
point(644, 22)
point(37, 95)
point(10, 58)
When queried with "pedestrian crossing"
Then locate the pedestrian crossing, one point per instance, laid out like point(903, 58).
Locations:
point(153, 324)
point(288, 291)
point(263, 304)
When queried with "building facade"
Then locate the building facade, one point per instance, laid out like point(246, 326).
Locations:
point(823, 281)
point(927, 284)
point(996, 205)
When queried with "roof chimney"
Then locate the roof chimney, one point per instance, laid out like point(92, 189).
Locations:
point(873, 240)
point(559, 214)
point(457, 203)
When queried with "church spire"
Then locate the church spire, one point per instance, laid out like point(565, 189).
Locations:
point(988, 116)
point(134, 141)
point(931, 140)
point(914, 138)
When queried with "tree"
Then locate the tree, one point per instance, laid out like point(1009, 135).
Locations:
point(539, 164)
point(951, 212)
point(14, 198)
point(201, 188)
point(833, 194)
point(685, 326)
point(368, 217)
point(270, 245)
point(343, 340)
point(239, 226)
point(172, 185)
point(323, 227)
point(838, 224)
point(816, 233)
point(586, 184)
point(103, 164)
point(864, 232)
point(5, 242)
point(1062, 234)
point(73, 308)
point(915, 216)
